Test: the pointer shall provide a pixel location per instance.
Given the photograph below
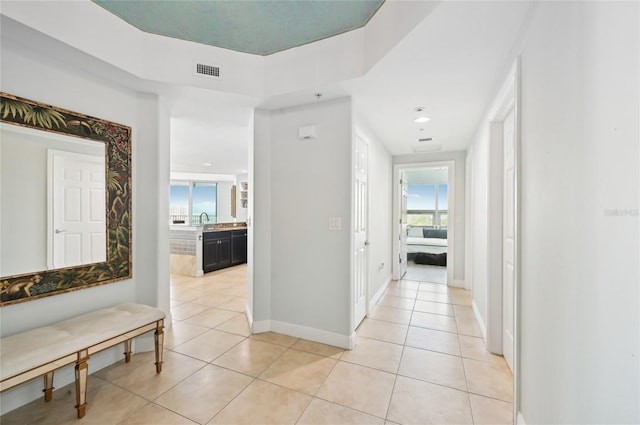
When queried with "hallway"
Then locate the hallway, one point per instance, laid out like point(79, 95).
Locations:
point(418, 360)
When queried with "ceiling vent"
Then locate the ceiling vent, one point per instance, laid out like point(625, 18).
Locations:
point(425, 139)
point(206, 71)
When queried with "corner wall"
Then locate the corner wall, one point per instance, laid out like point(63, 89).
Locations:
point(300, 266)
point(46, 76)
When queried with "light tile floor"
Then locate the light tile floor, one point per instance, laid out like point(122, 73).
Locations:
point(419, 360)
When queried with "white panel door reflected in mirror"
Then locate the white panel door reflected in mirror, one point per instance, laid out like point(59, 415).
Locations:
point(76, 210)
point(27, 228)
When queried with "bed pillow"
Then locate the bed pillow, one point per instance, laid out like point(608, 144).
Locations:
point(434, 233)
point(415, 232)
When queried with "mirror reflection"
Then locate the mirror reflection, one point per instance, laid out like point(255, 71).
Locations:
point(52, 201)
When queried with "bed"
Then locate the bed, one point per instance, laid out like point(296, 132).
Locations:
point(429, 241)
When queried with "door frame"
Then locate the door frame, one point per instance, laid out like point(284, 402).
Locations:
point(352, 314)
point(359, 135)
point(508, 98)
point(451, 228)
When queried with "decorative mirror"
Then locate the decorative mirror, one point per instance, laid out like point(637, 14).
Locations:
point(65, 195)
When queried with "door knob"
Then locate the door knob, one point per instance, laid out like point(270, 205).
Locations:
point(366, 243)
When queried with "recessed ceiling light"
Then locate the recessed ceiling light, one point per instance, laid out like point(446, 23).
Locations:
point(422, 119)
point(207, 164)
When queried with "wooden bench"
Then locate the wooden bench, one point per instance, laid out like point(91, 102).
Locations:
point(41, 351)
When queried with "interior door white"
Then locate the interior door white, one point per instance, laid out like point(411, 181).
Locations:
point(360, 223)
point(508, 239)
point(77, 214)
point(403, 224)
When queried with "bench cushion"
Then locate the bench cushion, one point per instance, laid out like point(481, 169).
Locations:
point(27, 350)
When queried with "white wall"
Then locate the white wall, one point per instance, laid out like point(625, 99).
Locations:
point(580, 148)
point(42, 75)
point(459, 199)
point(579, 302)
point(478, 233)
point(308, 277)
point(259, 237)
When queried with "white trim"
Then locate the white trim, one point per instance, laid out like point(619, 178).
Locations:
point(376, 297)
point(458, 283)
point(247, 312)
point(260, 326)
point(451, 182)
point(507, 99)
point(307, 333)
point(520, 419)
point(478, 316)
point(357, 134)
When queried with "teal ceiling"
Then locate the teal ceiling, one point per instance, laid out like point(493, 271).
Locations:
point(260, 27)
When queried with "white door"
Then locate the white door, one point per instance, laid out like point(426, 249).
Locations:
point(403, 225)
point(360, 221)
point(77, 214)
point(508, 239)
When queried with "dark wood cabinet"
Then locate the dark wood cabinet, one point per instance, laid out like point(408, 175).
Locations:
point(216, 250)
point(224, 248)
point(238, 247)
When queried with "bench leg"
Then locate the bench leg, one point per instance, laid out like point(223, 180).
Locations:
point(159, 337)
point(48, 386)
point(81, 382)
point(127, 351)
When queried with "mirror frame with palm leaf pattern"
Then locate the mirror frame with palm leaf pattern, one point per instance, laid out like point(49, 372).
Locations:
point(117, 141)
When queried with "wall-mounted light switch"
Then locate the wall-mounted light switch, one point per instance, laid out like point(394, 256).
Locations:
point(335, 223)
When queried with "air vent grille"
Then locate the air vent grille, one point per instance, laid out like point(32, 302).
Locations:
point(207, 70)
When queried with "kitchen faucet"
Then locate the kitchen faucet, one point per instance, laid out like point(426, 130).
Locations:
point(207, 215)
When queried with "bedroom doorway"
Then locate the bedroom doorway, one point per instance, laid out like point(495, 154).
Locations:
point(424, 235)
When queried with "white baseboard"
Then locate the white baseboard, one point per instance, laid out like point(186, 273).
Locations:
point(481, 324)
point(458, 283)
point(247, 313)
point(304, 332)
point(379, 292)
point(260, 326)
point(520, 419)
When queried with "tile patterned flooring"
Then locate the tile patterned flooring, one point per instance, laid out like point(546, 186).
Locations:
point(419, 360)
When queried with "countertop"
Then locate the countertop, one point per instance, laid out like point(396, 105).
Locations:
point(212, 227)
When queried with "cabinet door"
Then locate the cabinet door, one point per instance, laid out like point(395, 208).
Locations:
point(224, 252)
point(209, 255)
point(216, 251)
point(239, 247)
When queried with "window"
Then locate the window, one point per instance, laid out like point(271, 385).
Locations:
point(203, 203)
point(427, 205)
point(179, 205)
point(193, 202)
